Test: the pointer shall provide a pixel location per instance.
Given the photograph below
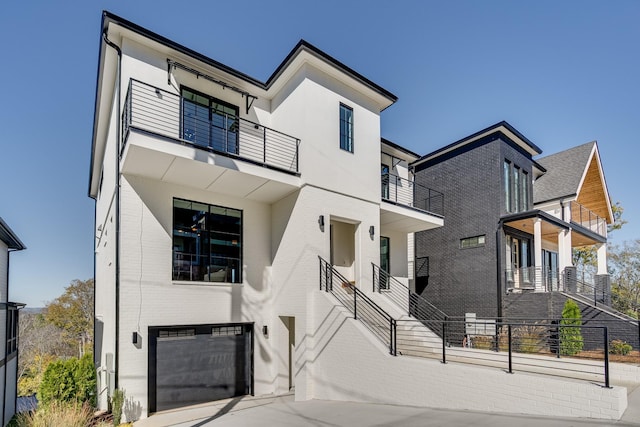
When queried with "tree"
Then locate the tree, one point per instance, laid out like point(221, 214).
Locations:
point(625, 277)
point(40, 343)
point(73, 312)
point(571, 341)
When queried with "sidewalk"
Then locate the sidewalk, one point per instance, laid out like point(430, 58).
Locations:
point(283, 411)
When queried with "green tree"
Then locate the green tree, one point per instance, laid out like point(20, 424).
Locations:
point(73, 313)
point(624, 262)
point(571, 341)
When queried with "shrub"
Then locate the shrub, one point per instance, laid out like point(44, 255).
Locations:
point(71, 380)
point(529, 338)
point(482, 342)
point(571, 341)
point(620, 347)
point(117, 403)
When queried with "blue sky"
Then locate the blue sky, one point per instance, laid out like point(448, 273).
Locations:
point(563, 73)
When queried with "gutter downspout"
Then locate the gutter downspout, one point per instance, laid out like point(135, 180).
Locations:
point(117, 207)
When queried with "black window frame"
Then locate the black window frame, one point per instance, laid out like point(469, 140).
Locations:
point(211, 100)
point(202, 274)
point(473, 241)
point(346, 135)
point(516, 187)
point(12, 331)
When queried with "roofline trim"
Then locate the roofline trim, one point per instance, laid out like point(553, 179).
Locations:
point(484, 132)
point(13, 240)
point(399, 147)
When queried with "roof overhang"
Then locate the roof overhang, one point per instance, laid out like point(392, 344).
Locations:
point(395, 150)
point(592, 190)
point(551, 227)
point(407, 219)
point(503, 129)
point(10, 238)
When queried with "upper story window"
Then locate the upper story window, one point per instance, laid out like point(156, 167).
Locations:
point(207, 242)
point(346, 128)
point(12, 331)
point(209, 122)
point(472, 242)
point(516, 188)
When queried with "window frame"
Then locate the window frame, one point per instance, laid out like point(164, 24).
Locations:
point(209, 232)
point(346, 138)
point(473, 241)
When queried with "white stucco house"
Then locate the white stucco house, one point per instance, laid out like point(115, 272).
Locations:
point(226, 207)
point(9, 312)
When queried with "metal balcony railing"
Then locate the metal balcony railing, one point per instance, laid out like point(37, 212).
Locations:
point(587, 219)
point(408, 193)
point(159, 112)
point(539, 279)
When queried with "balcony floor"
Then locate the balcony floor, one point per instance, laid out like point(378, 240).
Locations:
point(167, 161)
point(407, 219)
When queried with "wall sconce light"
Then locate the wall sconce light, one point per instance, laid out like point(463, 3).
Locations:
point(372, 231)
point(134, 338)
point(265, 331)
point(321, 222)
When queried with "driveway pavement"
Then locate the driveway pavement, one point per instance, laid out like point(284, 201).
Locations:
point(283, 412)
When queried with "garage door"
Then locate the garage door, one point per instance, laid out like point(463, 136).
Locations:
point(199, 363)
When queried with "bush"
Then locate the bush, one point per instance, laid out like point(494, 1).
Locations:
point(620, 347)
point(71, 380)
point(571, 341)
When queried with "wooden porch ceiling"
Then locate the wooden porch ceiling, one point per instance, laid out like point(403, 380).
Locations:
point(550, 231)
point(592, 193)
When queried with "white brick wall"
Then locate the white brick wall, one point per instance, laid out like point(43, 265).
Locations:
point(352, 366)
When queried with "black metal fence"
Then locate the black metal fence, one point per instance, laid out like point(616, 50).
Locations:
point(378, 321)
point(550, 348)
point(163, 113)
point(404, 192)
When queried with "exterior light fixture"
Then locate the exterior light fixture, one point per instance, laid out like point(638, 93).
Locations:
point(265, 331)
point(372, 231)
point(134, 338)
point(321, 222)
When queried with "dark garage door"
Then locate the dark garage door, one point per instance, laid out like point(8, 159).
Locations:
point(200, 363)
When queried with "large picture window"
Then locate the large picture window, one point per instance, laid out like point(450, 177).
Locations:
point(207, 242)
point(209, 122)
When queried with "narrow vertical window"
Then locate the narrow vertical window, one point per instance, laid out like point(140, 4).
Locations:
point(346, 128)
point(507, 185)
point(515, 199)
point(524, 196)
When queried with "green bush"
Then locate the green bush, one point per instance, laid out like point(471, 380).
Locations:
point(571, 341)
point(620, 347)
point(71, 380)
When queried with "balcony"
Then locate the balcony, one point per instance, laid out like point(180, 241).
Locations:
point(409, 206)
point(159, 112)
point(587, 219)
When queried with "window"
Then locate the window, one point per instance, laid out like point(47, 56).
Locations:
point(346, 128)
point(472, 242)
point(207, 242)
point(384, 169)
point(12, 331)
point(516, 188)
point(209, 122)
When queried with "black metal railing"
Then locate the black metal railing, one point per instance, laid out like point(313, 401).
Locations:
point(408, 193)
point(542, 347)
point(160, 112)
point(378, 321)
point(587, 219)
point(408, 301)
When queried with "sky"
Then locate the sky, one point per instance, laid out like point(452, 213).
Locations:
point(562, 73)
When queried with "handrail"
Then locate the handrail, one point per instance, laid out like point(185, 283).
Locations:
point(160, 112)
point(586, 218)
point(414, 304)
point(409, 193)
point(378, 321)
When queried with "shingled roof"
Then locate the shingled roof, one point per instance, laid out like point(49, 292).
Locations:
point(564, 173)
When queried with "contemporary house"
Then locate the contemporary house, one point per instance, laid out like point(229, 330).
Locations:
point(245, 230)
point(9, 312)
point(513, 220)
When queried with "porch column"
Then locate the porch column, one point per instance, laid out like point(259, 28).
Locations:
point(537, 255)
point(561, 251)
point(602, 258)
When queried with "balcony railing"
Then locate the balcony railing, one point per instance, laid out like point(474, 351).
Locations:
point(587, 219)
point(157, 111)
point(408, 193)
point(532, 278)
